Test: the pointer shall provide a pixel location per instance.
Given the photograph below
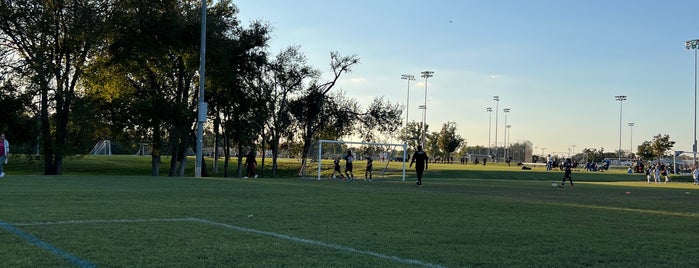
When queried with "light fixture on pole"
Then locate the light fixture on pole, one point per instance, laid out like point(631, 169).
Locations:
point(631, 137)
point(694, 45)
point(408, 77)
point(497, 101)
point(573, 148)
point(621, 100)
point(425, 74)
point(490, 119)
point(504, 136)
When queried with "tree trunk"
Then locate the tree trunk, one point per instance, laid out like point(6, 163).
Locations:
point(155, 153)
point(174, 158)
point(217, 128)
point(262, 163)
point(240, 160)
point(226, 153)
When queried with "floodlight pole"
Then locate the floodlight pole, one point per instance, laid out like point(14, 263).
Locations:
point(425, 74)
point(631, 124)
point(201, 116)
point(621, 100)
point(504, 136)
point(408, 77)
point(490, 119)
point(694, 45)
point(497, 101)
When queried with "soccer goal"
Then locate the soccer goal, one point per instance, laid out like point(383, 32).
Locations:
point(386, 162)
point(103, 147)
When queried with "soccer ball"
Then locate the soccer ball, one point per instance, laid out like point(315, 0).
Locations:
point(554, 185)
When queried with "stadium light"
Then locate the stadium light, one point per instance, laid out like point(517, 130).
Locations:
point(425, 74)
point(631, 124)
point(497, 101)
point(490, 119)
point(409, 78)
point(504, 139)
point(694, 45)
point(621, 100)
point(507, 141)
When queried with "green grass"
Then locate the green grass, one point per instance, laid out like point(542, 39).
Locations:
point(464, 216)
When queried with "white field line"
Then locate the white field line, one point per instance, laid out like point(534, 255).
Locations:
point(244, 230)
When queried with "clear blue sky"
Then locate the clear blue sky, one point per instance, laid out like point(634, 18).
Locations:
point(556, 64)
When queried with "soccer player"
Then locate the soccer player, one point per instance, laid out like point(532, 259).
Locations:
point(369, 168)
point(420, 159)
point(250, 164)
point(567, 175)
point(349, 159)
point(337, 170)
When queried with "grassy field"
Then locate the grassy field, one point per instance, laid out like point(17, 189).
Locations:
point(101, 214)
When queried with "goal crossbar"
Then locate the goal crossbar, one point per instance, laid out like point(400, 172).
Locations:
point(320, 151)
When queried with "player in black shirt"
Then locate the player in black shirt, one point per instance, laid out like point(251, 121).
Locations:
point(420, 159)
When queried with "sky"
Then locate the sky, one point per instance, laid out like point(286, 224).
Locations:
point(557, 65)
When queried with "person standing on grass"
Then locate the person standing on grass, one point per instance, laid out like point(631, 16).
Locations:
point(665, 172)
point(656, 173)
point(695, 174)
point(420, 159)
point(4, 152)
point(250, 164)
point(567, 172)
point(349, 159)
point(369, 168)
point(336, 166)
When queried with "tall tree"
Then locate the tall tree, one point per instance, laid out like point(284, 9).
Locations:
point(309, 107)
point(381, 119)
point(53, 41)
point(285, 78)
point(661, 144)
point(236, 94)
point(448, 141)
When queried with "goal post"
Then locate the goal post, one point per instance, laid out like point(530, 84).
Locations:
point(320, 152)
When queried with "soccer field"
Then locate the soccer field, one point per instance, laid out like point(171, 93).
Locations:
point(507, 219)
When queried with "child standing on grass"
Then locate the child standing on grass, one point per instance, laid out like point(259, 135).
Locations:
point(336, 165)
point(568, 174)
point(349, 159)
point(250, 164)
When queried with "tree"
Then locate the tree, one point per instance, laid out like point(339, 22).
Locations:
point(411, 134)
point(448, 141)
point(285, 77)
point(309, 107)
point(661, 144)
point(53, 42)
point(432, 145)
point(18, 121)
point(151, 60)
point(381, 119)
point(238, 94)
point(645, 150)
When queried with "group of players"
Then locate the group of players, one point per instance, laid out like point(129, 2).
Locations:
point(419, 159)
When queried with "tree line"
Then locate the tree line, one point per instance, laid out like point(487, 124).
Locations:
point(76, 71)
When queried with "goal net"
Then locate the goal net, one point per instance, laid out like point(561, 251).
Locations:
point(388, 159)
